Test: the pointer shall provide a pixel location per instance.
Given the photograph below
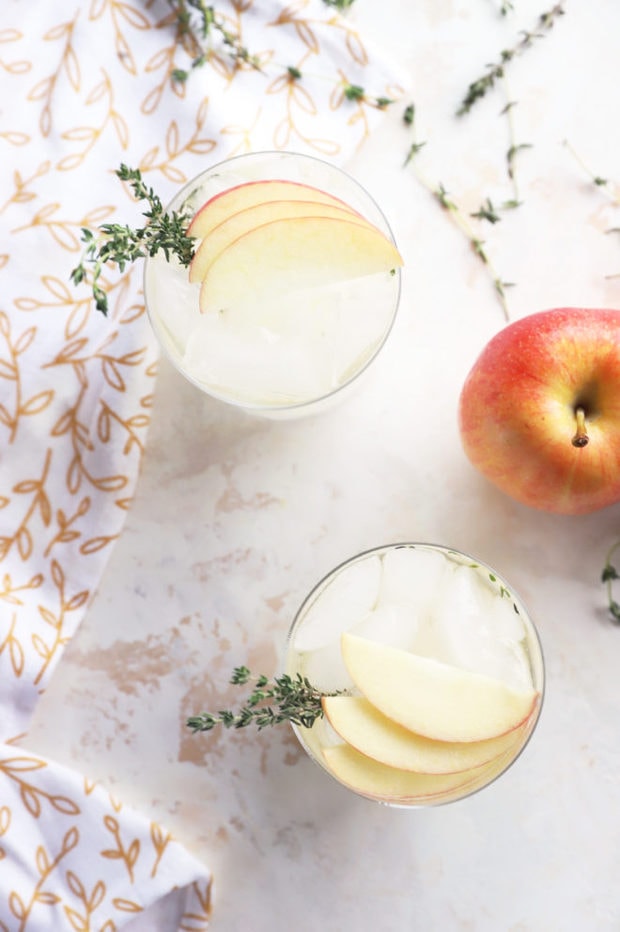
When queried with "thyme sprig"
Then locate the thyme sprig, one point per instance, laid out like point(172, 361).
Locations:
point(604, 184)
point(357, 92)
point(209, 22)
point(477, 89)
point(449, 205)
point(270, 702)
point(409, 120)
point(597, 180)
point(199, 22)
point(608, 576)
point(121, 244)
point(514, 148)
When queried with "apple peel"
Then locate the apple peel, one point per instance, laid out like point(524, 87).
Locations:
point(228, 202)
point(296, 254)
point(371, 778)
point(243, 221)
point(432, 698)
point(371, 733)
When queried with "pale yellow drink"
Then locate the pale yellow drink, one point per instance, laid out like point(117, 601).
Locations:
point(447, 609)
point(281, 354)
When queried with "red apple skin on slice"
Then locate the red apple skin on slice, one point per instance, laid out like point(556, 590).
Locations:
point(379, 782)
point(376, 780)
point(432, 698)
point(295, 254)
point(223, 205)
point(224, 234)
point(363, 727)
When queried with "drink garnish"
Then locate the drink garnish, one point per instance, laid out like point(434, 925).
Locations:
point(121, 244)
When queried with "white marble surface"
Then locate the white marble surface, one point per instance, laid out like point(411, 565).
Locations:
point(236, 518)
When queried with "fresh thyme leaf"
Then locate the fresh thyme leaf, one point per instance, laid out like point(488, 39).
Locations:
point(198, 21)
point(598, 181)
point(477, 89)
point(510, 156)
point(608, 575)
point(413, 150)
point(409, 120)
point(452, 209)
point(121, 245)
point(442, 196)
point(209, 22)
point(487, 211)
point(270, 702)
point(354, 92)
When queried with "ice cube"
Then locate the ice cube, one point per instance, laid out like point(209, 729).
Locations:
point(173, 302)
point(394, 624)
point(325, 668)
point(253, 363)
point(411, 575)
point(479, 628)
point(362, 310)
point(349, 597)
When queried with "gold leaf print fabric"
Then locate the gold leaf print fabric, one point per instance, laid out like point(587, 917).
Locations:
point(86, 86)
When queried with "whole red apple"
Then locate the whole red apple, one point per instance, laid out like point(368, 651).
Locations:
point(539, 413)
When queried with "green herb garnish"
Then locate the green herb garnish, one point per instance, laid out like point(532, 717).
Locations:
point(339, 4)
point(283, 699)
point(122, 245)
point(609, 574)
point(209, 21)
point(477, 89)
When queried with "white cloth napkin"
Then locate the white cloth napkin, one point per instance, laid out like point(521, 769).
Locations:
point(86, 86)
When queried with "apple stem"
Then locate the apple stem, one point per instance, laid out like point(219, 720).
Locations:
point(581, 434)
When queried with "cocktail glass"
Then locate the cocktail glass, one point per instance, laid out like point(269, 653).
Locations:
point(436, 603)
point(280, 356)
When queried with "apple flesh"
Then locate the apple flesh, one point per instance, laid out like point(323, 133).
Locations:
point(294, 254)
point(223, 205)
point(431, 698)
point(376, 780)
point(238, 224)
point(371, 733)
point(539, 412)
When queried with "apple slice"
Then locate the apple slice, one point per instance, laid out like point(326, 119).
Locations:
point(371, 778)
point(294, 254)
point(226, 232)
point(373, 734)
point(229, 202)
point(434, 699)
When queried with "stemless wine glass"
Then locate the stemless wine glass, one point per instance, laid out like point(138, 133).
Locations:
point(282, 355)
point(457, 614)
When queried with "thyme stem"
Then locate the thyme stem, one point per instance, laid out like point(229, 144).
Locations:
point(270, 702)
point(209, 21)
point(477, 89)
point(121, 245)
point(486, 212)
point(608, 575)
point(597, 180)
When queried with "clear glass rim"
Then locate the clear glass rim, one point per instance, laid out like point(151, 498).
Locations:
point(430, 801)
point(181, 196)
